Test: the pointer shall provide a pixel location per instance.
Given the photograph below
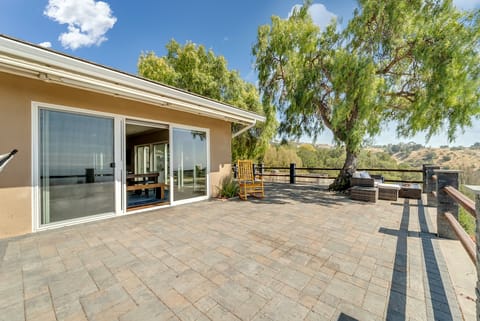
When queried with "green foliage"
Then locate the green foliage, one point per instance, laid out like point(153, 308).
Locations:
point(466, 221)
point(228, 188)
point(305, 154)
point(429, 157)
point(308, 155)
point(195, 69)
point(446, 158)
point(415, 62)
point(281, 156)
point(404, 148)
point(475, 146)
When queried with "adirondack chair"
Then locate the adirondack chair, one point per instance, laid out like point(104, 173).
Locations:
point(248, 183)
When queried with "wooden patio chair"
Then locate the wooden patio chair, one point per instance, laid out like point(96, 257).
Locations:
point(248, 183)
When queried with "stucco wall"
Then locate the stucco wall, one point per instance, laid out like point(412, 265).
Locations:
point(16, 96)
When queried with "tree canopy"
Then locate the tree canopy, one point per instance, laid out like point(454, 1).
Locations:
point(412, 62)
point(195, 69)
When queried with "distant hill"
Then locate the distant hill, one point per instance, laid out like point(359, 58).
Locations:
point(393, 156)
point(448, 158)
point(466, 159)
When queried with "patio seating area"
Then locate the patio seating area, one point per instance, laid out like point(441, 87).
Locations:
point(300, 253)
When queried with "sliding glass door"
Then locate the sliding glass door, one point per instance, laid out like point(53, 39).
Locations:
point(76, 165)
point(189, 161)
point(160, 161)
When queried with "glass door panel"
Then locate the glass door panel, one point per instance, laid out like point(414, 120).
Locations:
point(160, 161)
point(76, 160)
point(189, 163)
point(142, 162)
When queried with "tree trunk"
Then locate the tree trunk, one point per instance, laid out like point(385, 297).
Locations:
point(342, 182)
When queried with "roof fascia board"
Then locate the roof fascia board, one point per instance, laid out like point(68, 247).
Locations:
point(54, 60)
point(100, 86)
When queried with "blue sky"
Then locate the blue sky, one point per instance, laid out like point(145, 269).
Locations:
point(115, 32)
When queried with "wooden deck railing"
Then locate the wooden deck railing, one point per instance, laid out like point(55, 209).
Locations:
point(294, 172)
point(447, 198)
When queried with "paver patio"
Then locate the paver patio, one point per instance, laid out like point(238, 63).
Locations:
point(299, 254)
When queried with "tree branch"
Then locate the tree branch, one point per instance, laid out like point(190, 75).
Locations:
point(397, 58)
point(410, 96)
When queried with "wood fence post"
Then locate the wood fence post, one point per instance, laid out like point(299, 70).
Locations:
point(445, 203)
point(293, 179)
point(429, 184)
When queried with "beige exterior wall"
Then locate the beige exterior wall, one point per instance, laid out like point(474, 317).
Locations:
point(16, 96)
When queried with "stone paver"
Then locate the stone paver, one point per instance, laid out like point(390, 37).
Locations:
point(299, 254)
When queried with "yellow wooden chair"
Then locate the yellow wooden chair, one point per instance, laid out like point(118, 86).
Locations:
point(248, 183)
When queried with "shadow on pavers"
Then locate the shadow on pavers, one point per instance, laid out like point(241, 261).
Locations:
point(285, 193)
point(440, 306)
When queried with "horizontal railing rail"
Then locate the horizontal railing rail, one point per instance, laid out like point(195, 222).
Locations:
point(467, 204)
point(447, 198)
point(462, 236)
point(293, 173)
point(339, 169)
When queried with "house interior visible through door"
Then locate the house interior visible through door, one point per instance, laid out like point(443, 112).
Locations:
point(147, 155)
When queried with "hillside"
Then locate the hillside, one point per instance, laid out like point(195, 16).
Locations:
point(448, 158)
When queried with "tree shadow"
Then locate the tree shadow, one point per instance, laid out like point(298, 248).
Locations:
point(345, 317)
point(285, 193)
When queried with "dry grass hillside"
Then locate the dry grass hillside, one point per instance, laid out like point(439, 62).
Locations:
point(448, 158)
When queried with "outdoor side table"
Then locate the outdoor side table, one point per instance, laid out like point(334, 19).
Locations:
point(388, 192)
point(412, 191)
point(366, 194)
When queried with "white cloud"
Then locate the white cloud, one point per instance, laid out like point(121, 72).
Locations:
point(319, 13)
point(88, 21)
point(466, 4)
point(46, 44)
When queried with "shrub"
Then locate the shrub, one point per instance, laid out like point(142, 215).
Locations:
point(446, 158)
point(467, 221)
point(228, 188)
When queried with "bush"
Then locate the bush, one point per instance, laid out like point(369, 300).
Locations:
point(446, 158)
point(228, 188)
point(467, 221)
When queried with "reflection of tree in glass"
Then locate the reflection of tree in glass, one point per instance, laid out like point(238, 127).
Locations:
point(200, 135)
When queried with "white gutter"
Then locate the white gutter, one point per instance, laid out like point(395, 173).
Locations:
point(40, 63)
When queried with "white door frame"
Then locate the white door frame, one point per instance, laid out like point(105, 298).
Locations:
point(120, 121)
point(207, 174)
point(117, 172)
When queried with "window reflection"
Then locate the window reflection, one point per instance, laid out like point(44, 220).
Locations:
point(189, 163)
point(75, 157)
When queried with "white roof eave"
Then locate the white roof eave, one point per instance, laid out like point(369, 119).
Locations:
point(29, 60)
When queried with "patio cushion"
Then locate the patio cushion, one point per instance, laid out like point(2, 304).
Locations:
point(364, 174)
point(388, 186)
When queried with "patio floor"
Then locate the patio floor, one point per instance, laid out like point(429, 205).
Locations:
point(299, 254)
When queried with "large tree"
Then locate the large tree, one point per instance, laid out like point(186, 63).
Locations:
point(195, 69)
point(415, 62)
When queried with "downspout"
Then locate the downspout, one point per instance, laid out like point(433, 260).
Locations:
point(244, 129)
